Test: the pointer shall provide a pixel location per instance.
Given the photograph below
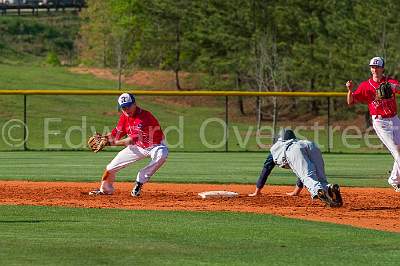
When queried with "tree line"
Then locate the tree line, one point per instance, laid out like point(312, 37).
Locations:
point(266, 45)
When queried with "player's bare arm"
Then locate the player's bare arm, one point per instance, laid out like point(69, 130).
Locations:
point(122, 142)
point(350, 86)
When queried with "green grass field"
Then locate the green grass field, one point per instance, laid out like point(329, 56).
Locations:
point(47, 77)
point(64, 236)
point(242, 167)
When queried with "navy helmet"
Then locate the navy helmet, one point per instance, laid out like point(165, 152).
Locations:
point(126, 100)
point(285, 134)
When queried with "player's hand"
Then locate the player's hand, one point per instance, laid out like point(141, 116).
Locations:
point(295, 192)
point(349, 85)
point(256, 193)
point(110, 138)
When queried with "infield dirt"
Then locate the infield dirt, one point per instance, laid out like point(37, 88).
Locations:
point(375, 208)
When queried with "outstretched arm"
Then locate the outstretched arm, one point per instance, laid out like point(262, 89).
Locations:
point(269, 164)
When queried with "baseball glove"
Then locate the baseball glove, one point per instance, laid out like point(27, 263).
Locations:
point(97, 142)
point(384, 91)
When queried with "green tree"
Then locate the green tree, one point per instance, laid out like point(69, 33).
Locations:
point(125, 34)
point(111, 34)
point(170, 23)
point(94, 33)
point(223, 34)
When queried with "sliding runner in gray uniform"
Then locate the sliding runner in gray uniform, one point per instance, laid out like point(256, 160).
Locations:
point(305, 160)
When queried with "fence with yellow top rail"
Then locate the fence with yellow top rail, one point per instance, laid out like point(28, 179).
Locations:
point(227, 123)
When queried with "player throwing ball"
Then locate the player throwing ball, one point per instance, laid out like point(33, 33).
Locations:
point(140, 132)
point(378, 93)
point(305, 160)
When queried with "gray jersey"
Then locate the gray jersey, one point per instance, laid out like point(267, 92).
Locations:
point(305, 160)
point(278, 151)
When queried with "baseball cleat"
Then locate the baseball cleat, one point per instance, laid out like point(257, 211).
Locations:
point(98, 192)
point(324, 197)
point(337, 197)
point(330, 190)
point(396, 187)
point(137, 190)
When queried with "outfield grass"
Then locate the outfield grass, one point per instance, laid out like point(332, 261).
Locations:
point(243, 167)
point(64, 236)
point(46, 77)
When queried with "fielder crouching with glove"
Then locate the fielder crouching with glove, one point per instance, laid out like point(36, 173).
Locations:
point(305, 160)
point(140, 132)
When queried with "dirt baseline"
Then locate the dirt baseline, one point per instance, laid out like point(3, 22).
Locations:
point(375, 208)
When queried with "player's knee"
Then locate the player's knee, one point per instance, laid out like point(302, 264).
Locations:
point(162, 155)
point(108, 168)
point(111, 168)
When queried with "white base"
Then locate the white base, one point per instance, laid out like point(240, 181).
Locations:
point(218, 194)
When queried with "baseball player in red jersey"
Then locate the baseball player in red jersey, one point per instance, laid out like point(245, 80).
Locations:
point(383, 110)
point(140, 132)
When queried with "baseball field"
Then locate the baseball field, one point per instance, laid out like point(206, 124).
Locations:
point(47, 217)
point(294, 57)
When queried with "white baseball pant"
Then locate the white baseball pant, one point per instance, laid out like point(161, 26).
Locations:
point(388, 131)
point(131, 154)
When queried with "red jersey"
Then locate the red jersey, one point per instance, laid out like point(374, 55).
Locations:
point(366, 93)
point(143, 128)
